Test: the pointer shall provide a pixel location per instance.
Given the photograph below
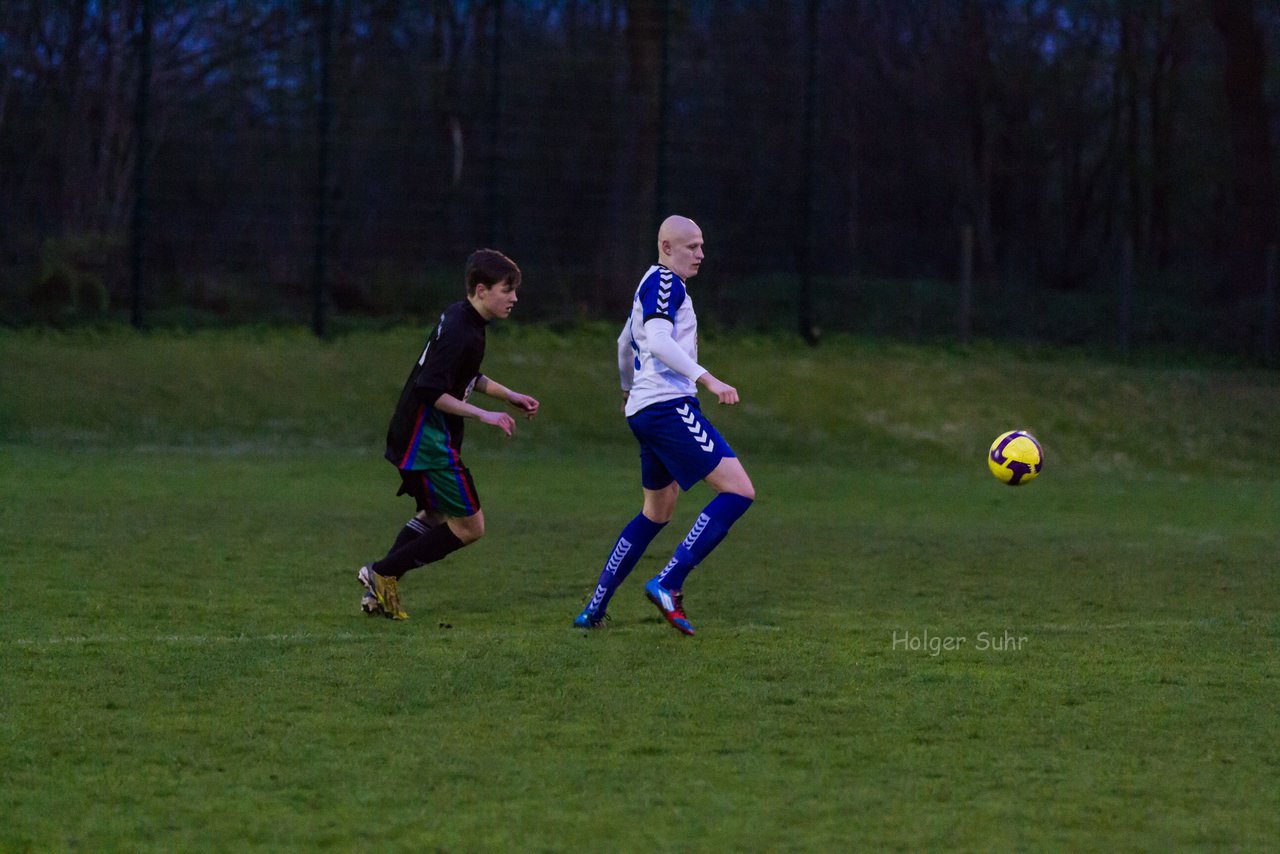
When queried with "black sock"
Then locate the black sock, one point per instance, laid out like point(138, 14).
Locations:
point(428, 548)
point(412, 529)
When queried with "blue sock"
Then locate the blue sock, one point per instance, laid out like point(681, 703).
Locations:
point(713, 523)
point(635, 538)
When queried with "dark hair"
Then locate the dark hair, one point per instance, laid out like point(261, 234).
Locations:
point(489, 267)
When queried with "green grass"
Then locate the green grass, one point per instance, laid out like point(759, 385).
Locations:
point(183, 666)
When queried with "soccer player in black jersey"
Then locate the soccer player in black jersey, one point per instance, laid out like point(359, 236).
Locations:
point(424, 440)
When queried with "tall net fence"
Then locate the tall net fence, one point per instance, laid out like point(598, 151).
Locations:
point(1058, 171)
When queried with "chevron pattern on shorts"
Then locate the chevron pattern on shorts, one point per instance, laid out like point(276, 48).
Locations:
point(691, 423)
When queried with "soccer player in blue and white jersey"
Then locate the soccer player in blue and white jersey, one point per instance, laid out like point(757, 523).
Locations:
point(658, 365)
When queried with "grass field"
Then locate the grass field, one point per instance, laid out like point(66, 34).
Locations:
point(183, 665)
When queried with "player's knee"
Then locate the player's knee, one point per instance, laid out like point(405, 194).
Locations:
point(658, 516)
point(468, 530)
point(743, 488)
point(660, 504)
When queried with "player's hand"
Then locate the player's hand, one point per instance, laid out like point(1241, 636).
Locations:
point(525, 404)
point(724, 392)
point(501, 420)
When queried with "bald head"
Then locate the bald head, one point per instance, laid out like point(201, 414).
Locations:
point(680, 246)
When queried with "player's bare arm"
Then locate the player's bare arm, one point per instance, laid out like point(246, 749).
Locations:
point(450, 404)
point(492, 388)
point(724, 392)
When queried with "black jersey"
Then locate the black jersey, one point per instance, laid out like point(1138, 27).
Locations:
point(421, 436)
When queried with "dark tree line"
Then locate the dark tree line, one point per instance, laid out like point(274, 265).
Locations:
point(1078, 144)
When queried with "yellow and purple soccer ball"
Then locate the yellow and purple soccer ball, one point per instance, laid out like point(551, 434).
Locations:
point(1016, 457)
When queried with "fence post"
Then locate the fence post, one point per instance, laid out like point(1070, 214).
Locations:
point(964, 311)
point(138, 219)
point(495, 120)
point(1270, 322)
point(325, 108)
point(664, 114)
point(1124, 325)
point(805, 308)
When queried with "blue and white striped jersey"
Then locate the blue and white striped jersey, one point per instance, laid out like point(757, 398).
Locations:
point(660, 296)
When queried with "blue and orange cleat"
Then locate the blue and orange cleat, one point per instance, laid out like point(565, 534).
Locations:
point(670, 603)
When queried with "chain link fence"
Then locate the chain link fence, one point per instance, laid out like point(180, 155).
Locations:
point(918, 169)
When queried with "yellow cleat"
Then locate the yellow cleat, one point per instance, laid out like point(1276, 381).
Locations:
point(371, 606)
point(384, 590)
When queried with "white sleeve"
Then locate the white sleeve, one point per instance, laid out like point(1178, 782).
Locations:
point(626, 358)
point(662, 345)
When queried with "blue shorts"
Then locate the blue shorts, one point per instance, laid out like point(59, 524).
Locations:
point(676, 443)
